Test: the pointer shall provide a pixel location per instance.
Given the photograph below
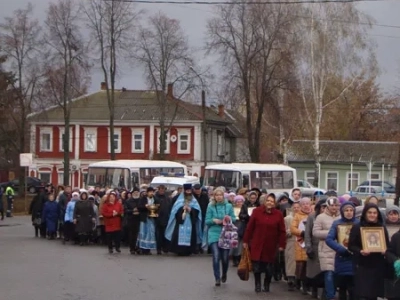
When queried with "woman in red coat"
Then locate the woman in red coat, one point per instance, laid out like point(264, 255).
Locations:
point(112, 212)
point(265, 233)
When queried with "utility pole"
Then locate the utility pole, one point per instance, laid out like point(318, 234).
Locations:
point(203, 104)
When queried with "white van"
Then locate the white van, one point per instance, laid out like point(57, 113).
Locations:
point(172, 183)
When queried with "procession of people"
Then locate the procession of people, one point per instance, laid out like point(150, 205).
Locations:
point(336, 244)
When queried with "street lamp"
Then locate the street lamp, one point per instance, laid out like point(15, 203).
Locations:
point(203, 105)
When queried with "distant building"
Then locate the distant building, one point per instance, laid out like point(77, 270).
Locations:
point(136, 134)
point(370, 160)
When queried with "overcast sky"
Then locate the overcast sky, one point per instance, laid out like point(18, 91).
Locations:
point(194, 17)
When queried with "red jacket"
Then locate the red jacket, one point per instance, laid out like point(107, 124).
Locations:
point(112, 223)
point(265, 233)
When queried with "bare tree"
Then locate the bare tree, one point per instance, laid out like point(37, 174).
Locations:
point(330, 51)
point(163, 50)
point(67, 65)
point(20, 37)
point(112, 25)
point(248, 39)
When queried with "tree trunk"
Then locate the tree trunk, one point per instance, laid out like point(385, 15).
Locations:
point(316, 154)
point(397, 199)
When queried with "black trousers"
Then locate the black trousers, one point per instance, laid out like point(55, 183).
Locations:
point(114, 238)
point(69, 231)
point(133, 232)
point(346, 287)
point(162, 242)
point(2, 212)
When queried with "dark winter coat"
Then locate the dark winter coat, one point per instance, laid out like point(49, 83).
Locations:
point(343, 258)
point(50, 215)
point(265, 233)
point(244, 216)
point(36, 206)
point(369, 271)
point(129, 209)
point(62, 203)
point(203, 200)
point(84, 215)
point(164, 210)
point(392, 284)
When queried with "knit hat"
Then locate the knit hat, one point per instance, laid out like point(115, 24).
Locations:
point(238, 198)
point(332, 201)
point(75, 195)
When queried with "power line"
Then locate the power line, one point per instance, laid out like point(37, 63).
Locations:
point(244, 2)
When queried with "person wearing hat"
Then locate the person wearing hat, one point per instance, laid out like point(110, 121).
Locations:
point(184, 229)
point(322, 225)
point(132, 215)
point(203, 200)
point(84, 218)
point(69, 227)
point(344, 275)
point(147, 230)
point(248, 207)
point(112, 212)
point(162, 220)
point(35, 210)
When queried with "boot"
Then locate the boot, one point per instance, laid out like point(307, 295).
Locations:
point(305, 288)
point(298, 284)
point(291, 285)
point(314, 292)
point(257, 280)
point(342, 294)
point(267, 281)
point(236, 260)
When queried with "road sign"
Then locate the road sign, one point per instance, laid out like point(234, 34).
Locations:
point(25, 159)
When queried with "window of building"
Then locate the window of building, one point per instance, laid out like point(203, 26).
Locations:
point(183, 141)
point(62, 133)
point(375, 176)
point(167, 141)
point(220, 145)
point(45, 177)
point(353, 180)
point(90, 139)
point(309, 176)
point(138, 140)
point(116, 140)
point(60, 180)
point(46, 139)
point(332, 179)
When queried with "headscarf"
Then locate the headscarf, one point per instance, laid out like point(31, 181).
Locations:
point(343, 207)
point(363, 219)
point(389, 210)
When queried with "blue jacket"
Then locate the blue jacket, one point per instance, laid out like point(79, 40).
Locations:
point(50, 215)
point(69, 211)
point(343, 258)
point(217, 211)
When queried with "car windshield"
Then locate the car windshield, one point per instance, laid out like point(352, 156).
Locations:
point(225, 178)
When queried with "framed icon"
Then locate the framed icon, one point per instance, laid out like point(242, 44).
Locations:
point(373, 239)
point(343, 234)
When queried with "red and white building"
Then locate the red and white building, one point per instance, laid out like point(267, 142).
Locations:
point(136, 133)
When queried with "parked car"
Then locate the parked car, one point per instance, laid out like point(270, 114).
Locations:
point(307, 189)
point(33, 184)
point(363, 190)
point(387, 186)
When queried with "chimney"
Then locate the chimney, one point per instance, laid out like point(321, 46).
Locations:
point(221, 110)
point(170, 92)
point(103, 86)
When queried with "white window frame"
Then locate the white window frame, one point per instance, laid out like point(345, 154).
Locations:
point(137, 131)
point(220, 143)
point(374, 173)
point(326, 179)
point(116, 131)
point(89, 130)
point(184, 132)
point(60, 175)
point(306, 177)
point(61, 131)
point(348, 178)
point(44, 172)
point(46, 130)
point(167, 141)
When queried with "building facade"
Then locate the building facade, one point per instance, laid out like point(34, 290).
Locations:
point(136, 133)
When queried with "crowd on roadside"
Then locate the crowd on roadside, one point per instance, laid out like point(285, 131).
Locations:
point(289, 237)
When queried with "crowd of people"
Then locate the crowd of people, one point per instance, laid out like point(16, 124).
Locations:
point(311, 243)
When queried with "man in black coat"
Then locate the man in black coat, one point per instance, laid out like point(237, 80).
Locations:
point(203, 199)
point(162, 220)
point(131, 213)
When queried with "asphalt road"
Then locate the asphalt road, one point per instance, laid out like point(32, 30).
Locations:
point(32, 269)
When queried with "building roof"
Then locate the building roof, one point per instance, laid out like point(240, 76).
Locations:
point(345, 152)
point(130, 105)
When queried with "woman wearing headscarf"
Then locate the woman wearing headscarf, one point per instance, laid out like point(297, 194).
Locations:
point(392, 220)
point(112, 211)
point(69, 230)
point(298, 230)
point(369, 267)
point(313, 269)
point(344, 274)
point(84, 218)
point(290, 262)
point(248, 207)
point(237, 252)
point(265, 233)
